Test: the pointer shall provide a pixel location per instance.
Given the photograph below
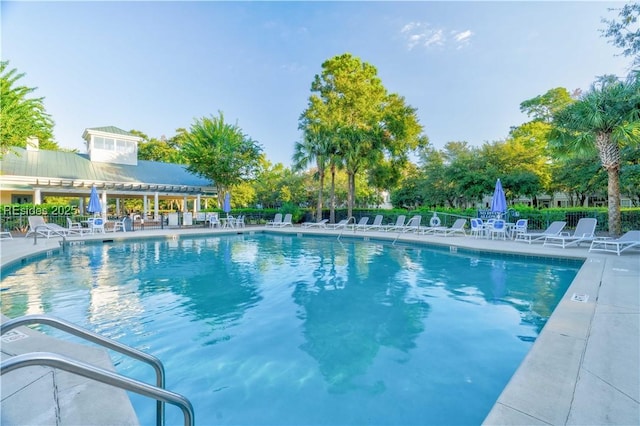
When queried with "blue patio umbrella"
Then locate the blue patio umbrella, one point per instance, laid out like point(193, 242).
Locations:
point(499, 201)
point(94, 201)
point(226, 207)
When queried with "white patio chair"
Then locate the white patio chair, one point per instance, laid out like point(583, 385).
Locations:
point(76, 228)
point(477, 228)
point(519, 228)
point(213, 220)
point(97, 225)
point(498, 228)
point(120, 225)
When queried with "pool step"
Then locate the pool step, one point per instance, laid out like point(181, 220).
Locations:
point(41, 395)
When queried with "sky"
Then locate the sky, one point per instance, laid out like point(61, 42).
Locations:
point(160, 66)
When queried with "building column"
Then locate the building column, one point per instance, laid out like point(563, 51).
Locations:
point(37, 196)
point(145, 206)
point(185, 205)
point(156, 207)
point(196, 205)
point(104, 205)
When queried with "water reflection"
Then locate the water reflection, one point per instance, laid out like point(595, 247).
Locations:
point(345, 329)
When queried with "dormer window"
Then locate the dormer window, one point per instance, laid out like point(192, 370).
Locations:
point(112, 145)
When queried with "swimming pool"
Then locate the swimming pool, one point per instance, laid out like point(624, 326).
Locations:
point(284, 330)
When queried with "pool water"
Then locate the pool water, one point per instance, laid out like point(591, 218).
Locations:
point(287, 330)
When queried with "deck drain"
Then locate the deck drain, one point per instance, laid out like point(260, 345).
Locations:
point(580, 297)
point(12, 336)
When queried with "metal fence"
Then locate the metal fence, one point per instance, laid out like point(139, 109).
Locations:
point(537, 220)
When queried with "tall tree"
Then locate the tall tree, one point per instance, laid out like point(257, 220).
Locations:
point(625, 31)
point(21, 116)
point(163, 149)
point(349, 101)
point(219, 151)
point(542, 107)
point(605, 119)
point(315, 146)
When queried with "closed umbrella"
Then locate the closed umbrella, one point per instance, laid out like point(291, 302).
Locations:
point(94, 202)
point(226, 207)
point(499, 201)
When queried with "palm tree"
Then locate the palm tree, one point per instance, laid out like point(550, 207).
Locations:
point(315, 146)
point(606, 118)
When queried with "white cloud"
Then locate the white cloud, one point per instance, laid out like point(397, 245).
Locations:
point(462, 38)
point(435, 37)
point(422, 34)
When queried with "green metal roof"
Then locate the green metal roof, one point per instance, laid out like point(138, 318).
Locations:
point(111, 129)
point(74, 166)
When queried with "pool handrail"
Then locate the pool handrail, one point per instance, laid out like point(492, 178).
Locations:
point(89, 335)
point(99, 374)
point(346, 225)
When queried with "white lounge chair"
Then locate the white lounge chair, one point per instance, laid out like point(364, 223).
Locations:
point(554, 229)
point(287, 221)
point(362, 224)
point(398, 226)
point(617, 245)
point(584, 232)
point(377, 223)
point(413, 225)
point(39, 226)
point(320, 224)
point(434, 226)
point(342, 224)
point(277, 221)
point(457, 227)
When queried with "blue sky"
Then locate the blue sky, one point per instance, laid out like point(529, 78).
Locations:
point(158, 66)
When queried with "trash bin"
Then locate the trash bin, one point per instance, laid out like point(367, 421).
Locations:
point(173, 219)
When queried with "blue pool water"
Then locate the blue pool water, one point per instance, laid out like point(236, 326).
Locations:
point(286, 330)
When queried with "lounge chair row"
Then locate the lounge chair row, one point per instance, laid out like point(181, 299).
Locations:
point(37, 225)
point(400, 225)
point(552, 236)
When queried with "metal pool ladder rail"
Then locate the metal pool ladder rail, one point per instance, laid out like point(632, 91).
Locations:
point(95, 373)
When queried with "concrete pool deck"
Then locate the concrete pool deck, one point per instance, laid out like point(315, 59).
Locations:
point(584, 368)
